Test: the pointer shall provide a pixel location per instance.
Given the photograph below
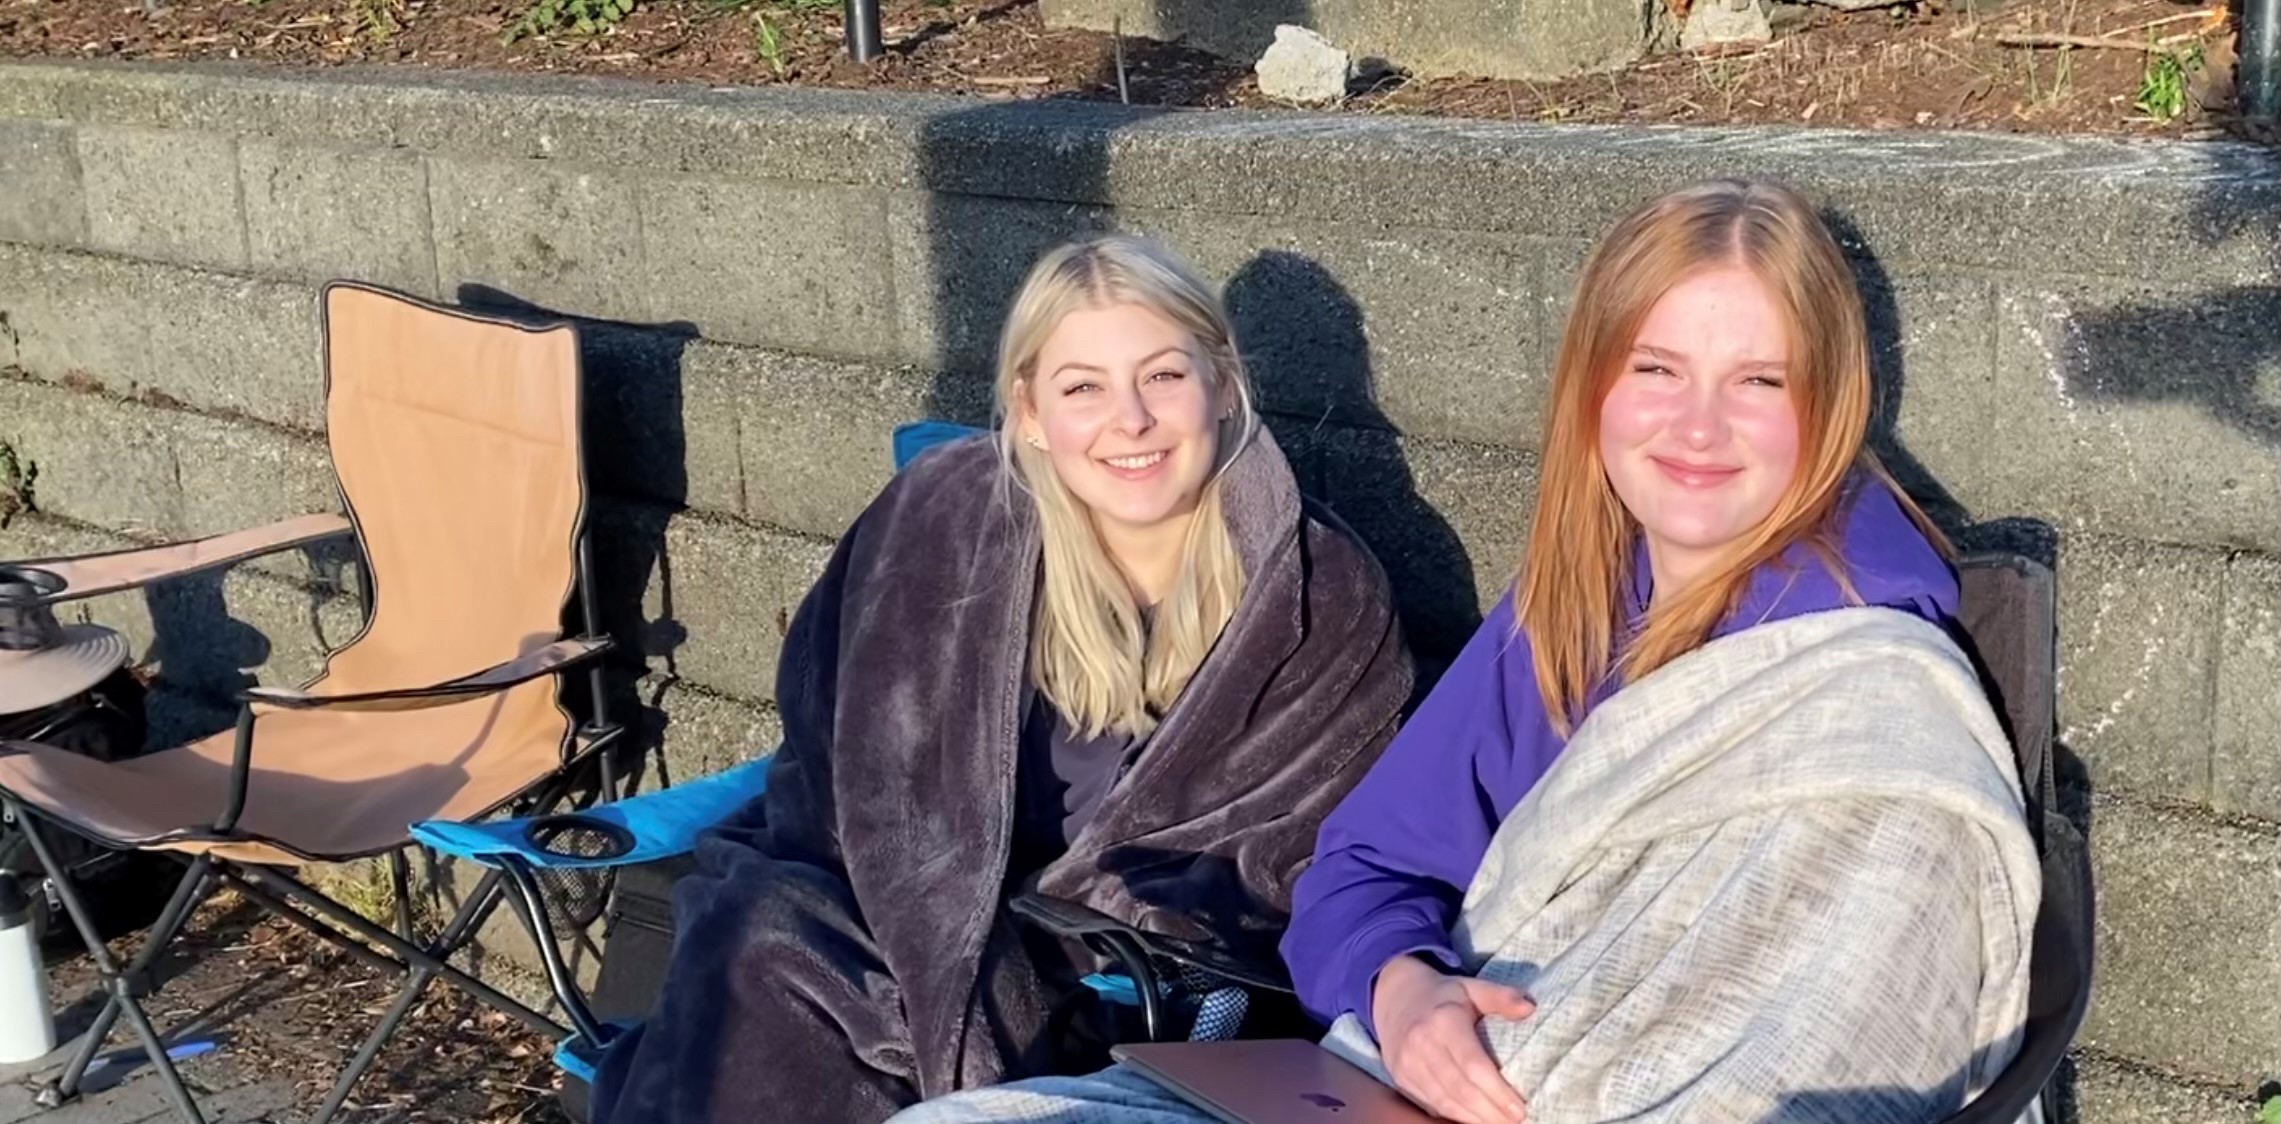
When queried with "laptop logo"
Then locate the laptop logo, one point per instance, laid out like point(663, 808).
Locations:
point(1323, 1100)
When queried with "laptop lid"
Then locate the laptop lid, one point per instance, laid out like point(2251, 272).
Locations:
point(1270, 1081)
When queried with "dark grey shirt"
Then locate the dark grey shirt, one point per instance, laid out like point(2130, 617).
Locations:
point(1059, 783)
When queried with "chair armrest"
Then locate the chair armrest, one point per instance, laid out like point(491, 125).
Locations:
point(656, 825)
point(89, 575)
point(555, 658)
point(1066, 918)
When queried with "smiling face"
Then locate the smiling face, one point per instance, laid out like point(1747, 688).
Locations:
point(1698, 431)
point(1122, 405)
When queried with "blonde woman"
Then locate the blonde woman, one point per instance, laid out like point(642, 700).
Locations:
point(1111, 653)
point(1710, 822)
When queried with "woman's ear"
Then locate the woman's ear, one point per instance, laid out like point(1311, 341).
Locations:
point(1026, 417)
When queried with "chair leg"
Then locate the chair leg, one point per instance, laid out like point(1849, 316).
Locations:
point(530, 907)
point(463, 927)
point(153, 1045)
point(415, 984)
point(400, 880)
point(187, 894)
point(125, 985)
point(65, 1088)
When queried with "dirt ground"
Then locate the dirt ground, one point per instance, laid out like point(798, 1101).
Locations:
point(280, 1004)
point(1929, 64)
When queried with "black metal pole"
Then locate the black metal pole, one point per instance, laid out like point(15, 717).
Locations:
point(2257, 71)
point(862, 17)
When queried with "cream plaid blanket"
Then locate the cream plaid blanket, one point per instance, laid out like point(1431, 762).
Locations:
point(1786, 877)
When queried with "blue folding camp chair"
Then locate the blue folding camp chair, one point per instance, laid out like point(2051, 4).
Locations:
point(664, 824)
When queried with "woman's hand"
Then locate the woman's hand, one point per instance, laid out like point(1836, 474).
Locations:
point(1426, 1033)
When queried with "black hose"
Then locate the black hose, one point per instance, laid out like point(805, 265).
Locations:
point(862, 17)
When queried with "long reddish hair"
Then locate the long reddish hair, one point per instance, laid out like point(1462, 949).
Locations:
point(1570, 593)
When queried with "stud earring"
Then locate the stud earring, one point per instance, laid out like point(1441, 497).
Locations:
point(1034, 443)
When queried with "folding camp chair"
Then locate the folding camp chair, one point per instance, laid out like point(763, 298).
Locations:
point(455, 441)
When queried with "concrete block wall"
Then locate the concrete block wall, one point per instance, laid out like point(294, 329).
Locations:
point(2079, 347)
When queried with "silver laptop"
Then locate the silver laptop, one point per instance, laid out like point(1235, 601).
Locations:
point(1270, 1081)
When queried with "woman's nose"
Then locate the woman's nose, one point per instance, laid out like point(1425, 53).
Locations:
point(1132, 414)
point(1702, 423)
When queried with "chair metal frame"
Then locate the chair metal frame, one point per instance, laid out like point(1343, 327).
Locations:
point(588, 749)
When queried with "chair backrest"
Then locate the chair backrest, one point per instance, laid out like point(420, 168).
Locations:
point(2008, 614)
point(914, 438)
point(456, 441)
point(2009, 618)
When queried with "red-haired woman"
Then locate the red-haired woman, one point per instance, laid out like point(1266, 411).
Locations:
point(1704, 473)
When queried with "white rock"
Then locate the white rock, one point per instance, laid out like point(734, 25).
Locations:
point(1303, 67)
point(1712, 22)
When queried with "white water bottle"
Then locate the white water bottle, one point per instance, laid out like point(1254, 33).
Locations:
point(27, 1027)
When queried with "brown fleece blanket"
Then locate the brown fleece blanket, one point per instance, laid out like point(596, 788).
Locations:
point(844, 948)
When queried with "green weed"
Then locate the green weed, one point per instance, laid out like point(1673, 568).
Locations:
point(378, 20)
point(768, 43)
point(2271, 1113)
point(369, 891)
point(2162, 89)
point(586, 17)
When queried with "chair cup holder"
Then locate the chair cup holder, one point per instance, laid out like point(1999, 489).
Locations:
point(28, 586)
point(575, 835)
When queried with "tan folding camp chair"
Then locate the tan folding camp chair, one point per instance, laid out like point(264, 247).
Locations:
point(455, 439)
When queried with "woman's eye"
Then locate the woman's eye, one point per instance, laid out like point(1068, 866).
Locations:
point(1167, 375)
point(1774, 381)
point(1652, 369)
point(1078, 388)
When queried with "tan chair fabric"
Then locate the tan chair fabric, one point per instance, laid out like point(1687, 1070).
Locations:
point(456, 441)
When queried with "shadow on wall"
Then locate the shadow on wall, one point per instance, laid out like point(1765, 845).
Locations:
point(2033, 538)
point(2135, 352)
point(203, 652)
point(1303, 339)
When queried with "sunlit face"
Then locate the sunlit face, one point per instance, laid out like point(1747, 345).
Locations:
point(1698, 432)
point(1121, 406)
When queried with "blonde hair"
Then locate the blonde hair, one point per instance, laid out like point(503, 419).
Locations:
point(1090, 653)
point(1568, 595)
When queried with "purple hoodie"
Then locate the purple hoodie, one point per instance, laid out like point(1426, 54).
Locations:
point(1393, 860)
